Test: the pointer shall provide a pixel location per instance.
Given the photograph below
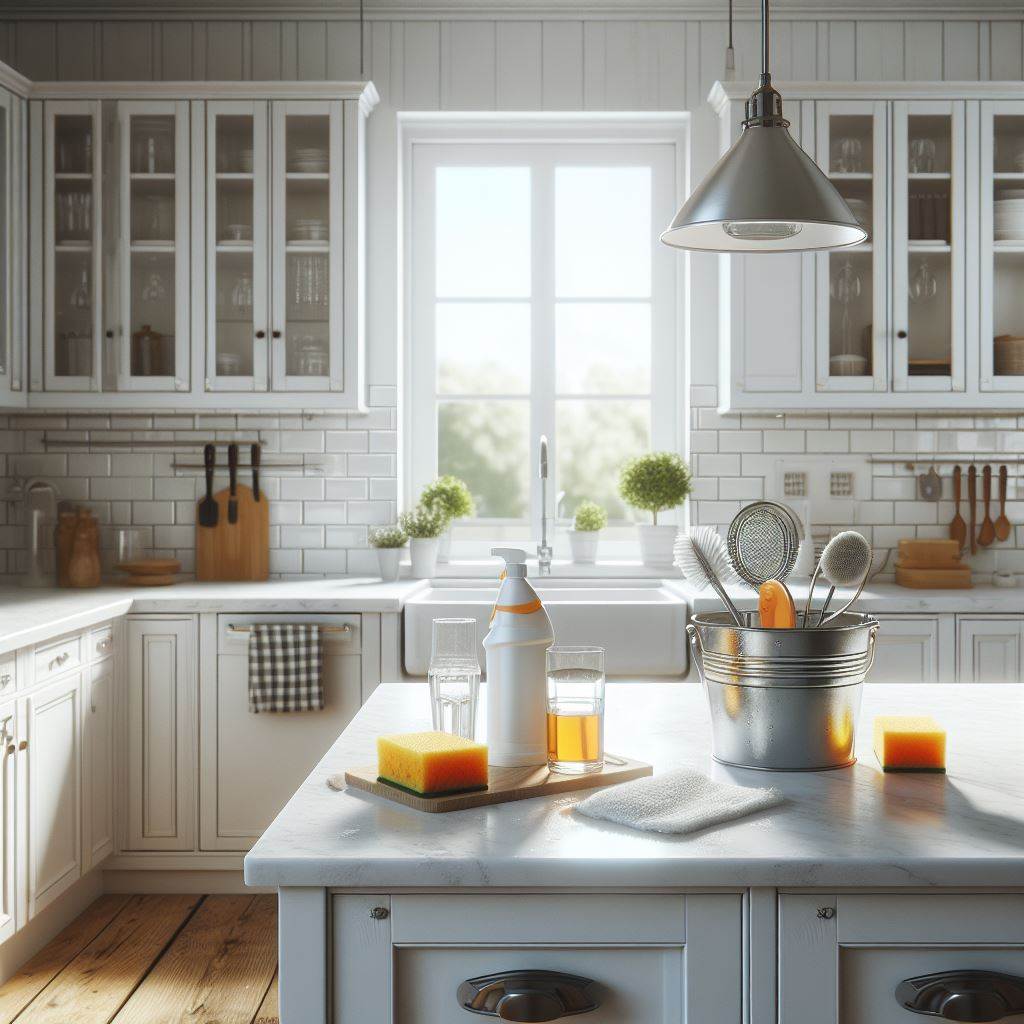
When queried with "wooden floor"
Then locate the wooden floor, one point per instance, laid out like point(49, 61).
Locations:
point(154, 960)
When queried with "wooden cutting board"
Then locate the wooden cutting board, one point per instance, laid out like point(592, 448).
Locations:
point(235, 551)
point(934, 579)
point(506, 784)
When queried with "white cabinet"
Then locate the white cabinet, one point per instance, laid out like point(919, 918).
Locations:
point(54, 766)
point(990, 649)
point(253, 763)
point(161, 747)
point(10, 831)
point(13, 250)
point(914, 649)
point(98, 764)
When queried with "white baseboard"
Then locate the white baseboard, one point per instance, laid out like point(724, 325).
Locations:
point(160, 882)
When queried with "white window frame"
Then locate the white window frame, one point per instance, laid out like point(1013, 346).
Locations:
point(423, 137)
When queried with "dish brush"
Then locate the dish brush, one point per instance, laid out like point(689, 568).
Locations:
point(702, 557)
point(845, 562)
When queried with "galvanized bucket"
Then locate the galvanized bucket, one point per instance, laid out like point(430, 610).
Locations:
point(783, 699)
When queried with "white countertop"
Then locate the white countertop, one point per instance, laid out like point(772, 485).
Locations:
point(851, 827)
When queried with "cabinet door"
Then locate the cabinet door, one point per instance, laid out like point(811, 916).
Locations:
point(152, 246)
point(928, 245)
point(307, 279)
point(12, 248)
point(990, 649)
point(9, 832)
point(914, 649)
point(72, 245)
point(53, 721)
point(1002, 246)
point(852, 295)
point(98, 765)
point(162, 752)
point(237, 235)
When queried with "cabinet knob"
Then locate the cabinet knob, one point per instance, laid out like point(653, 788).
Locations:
point(380, 913)
point(261, 334)
point(973, 997)
point(108, 334)
point(826, 913)
point(5, 680)
point(275, 334)
point(9, 750)
point(529, 997)
point(23, 745)
point(901, 334)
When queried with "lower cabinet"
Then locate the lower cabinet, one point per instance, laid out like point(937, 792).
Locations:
point(914, 649)
point(98, 764)
point(990, 649)
point(10, 832)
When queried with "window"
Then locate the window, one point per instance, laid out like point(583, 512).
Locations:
point(541, 303)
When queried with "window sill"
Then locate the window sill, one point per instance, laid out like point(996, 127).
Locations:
point(560, 569)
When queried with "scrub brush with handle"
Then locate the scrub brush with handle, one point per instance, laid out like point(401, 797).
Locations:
point(704, 560)
point(845, 562)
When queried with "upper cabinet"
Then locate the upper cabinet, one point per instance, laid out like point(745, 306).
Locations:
point(13, 194)
point(926, 312)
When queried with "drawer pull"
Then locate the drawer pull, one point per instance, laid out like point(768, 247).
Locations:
point(527, 996)
point(59, 660)
point(972, 997)
point(5, 680)
point(102, 646)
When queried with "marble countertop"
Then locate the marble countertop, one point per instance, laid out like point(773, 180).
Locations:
point(852, 827)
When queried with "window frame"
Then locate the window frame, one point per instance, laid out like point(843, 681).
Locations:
point(425, 141)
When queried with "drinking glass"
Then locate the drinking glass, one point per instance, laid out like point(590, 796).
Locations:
point(575, 715)
point(454, 676)
point(922, 156)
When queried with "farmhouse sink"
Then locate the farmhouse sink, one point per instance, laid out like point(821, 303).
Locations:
point(641, 624)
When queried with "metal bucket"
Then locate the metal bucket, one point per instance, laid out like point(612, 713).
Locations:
point(783, 699)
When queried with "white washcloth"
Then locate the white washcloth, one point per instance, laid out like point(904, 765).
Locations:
point(677, 802)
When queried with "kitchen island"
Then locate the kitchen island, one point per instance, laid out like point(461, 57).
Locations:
point(856, 877)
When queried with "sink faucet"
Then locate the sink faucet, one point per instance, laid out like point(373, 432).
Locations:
point(543, 548)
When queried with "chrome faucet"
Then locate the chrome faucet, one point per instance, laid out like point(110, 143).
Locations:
point(544, 551)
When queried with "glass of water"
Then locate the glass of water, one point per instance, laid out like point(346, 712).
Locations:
point(454, 676)
point(575, 709)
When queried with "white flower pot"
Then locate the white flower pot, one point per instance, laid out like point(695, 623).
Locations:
point(423, 554)
point(389, 559)
point(656, 544)
point(583, 544)
point(444, 549)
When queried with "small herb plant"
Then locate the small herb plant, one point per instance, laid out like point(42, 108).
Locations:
point(655, 482)
point(590, 517)
point(424, 522)
point(388, 537)
point(450, 495)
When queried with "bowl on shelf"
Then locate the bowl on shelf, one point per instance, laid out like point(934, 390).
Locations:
point(848, 365)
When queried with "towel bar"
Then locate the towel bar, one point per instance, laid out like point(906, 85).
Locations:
point(237, 630)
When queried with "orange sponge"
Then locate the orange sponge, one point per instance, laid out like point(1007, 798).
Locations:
point(910, 743)
point(429, 763)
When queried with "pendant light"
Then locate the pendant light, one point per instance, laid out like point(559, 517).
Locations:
point(766, 194)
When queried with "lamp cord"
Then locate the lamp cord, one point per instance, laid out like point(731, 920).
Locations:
point(765, 74)
point(362, 43)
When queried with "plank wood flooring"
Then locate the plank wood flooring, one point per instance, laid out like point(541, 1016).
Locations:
point(154, 960)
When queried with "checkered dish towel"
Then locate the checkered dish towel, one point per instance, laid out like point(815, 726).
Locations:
point(284, 668)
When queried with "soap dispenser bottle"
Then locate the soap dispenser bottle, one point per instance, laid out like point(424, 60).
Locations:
point(515, 651)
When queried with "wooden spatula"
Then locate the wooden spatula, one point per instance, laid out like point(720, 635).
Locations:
point(208, 510)
point(1003, 526)
point(987, 533)
point(958, 528)
point(972, 501)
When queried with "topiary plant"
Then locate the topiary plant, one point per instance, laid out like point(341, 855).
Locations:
point(451, 495)
point(424, 522)
point(590, 517)
point(655, 482)
point(388, 537)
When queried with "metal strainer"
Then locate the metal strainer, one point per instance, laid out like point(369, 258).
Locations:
point(764, 539)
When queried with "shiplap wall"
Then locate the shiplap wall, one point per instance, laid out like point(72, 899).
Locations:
point(564, 63)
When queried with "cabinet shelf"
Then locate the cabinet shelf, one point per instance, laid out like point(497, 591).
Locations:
point(234, 247)
point(926, 245)
point(154, 176)
point(929, 176)
point(73, 247)
point(72, 176)
point(234, 176)
point(164, 247)
point(851, 176)
point(308, 176)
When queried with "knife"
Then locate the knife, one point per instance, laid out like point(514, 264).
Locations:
point(254, 461)
point(233, 483)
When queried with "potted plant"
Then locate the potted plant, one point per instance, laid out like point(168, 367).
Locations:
point(451, 496)
point(389, 541)
point(587, 524)
point(655, 483)
point(424, 524)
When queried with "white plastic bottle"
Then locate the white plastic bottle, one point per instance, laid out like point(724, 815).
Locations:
point(515, 647)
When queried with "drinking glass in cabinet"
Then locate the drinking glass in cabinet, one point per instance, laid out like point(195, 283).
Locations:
point(850, 315)
point(234, 144)
point(152, 145)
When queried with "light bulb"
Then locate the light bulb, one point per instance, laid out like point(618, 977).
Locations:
point(761, 230)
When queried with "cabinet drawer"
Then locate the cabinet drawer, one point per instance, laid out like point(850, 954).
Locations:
point(8, 673)
point(100, 644)
point(58, 656)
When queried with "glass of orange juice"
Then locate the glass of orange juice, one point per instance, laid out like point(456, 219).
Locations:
point(575, 709)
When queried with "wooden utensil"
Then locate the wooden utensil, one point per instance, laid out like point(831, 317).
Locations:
point(958, 528)
point(149, 572)
point(987, 533)
point(1003, 526)
point(972, 498)
point(206, 514)
point(233, 483)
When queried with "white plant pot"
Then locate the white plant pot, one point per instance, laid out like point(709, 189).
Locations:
point(444, 549)
point(423, 554)
point(656, 545)
point(389, 560)
point(583, 544)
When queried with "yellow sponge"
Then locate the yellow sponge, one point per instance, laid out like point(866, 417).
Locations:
point(910, 743)
point(429, 763)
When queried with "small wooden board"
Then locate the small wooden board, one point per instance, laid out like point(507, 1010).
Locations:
point(506, 784)
point(934, 579)
point(235, 551)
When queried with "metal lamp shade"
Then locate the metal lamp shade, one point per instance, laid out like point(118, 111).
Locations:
point(765, 195)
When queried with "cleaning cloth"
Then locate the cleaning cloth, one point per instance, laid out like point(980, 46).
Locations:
point(676, 802)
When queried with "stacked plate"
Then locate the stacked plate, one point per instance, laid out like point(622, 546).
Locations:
point(1008, 217)
point(310, 160)
point(310, 229)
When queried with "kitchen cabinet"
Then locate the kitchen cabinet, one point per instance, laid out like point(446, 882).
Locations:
point(13, 248)
point(98, 764)
point(10, 805)
point(914, 649)
point(162, 753)
point(989, 649)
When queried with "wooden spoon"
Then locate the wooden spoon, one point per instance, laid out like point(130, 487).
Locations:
point(1003, 526)
point(972, 498)
point(958, 528)
point(987, 533)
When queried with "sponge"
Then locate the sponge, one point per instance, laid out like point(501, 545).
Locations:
point(430, 763)
point(910, 743)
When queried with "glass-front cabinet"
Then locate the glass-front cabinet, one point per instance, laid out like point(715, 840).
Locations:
point(12, 250)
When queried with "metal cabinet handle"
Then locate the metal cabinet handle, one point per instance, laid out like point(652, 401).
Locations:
point(972, 997)
point(103, 645)
point(23, 745)
point(60, 659)
point(5, 680)
point(529, 997)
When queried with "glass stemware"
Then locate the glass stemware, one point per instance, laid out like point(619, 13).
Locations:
point(80, 297)
point(846, 288)
point(923, 285)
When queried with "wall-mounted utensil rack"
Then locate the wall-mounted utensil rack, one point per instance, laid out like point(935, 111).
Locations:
point(159, 442)
point(263, 467)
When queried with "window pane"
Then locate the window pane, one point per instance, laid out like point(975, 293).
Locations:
point(595, 438)
point(603, 348)
point(483, 231)
point(486, 444)
point(603, 232)
point(483, 348)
